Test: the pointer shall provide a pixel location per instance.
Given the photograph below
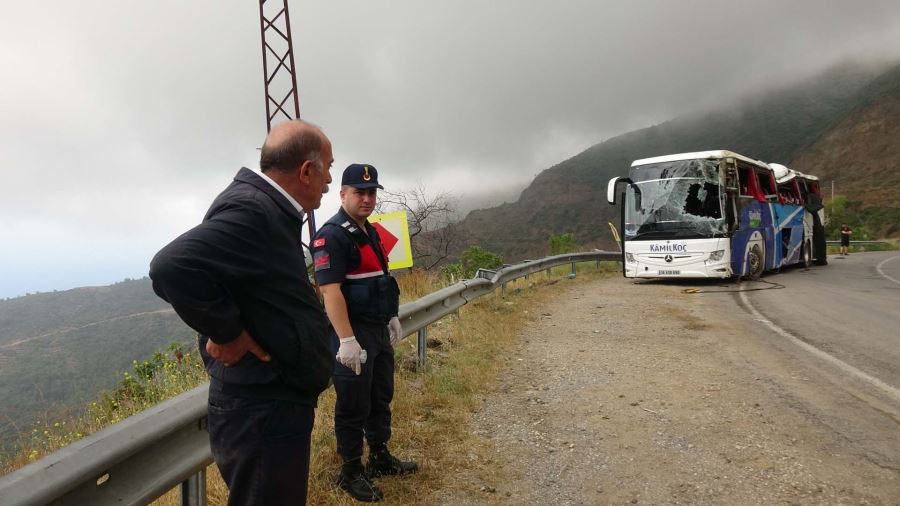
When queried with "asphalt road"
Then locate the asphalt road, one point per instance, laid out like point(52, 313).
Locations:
point(849, 309)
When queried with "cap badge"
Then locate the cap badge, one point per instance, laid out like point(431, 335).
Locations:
point(366, 176)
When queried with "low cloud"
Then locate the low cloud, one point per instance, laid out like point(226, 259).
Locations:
point(121, 121)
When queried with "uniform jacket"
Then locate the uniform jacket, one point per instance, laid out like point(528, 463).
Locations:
point(243, 268)
point(342, 253)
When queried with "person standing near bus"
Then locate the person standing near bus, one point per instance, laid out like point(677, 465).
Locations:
point(362, 302)
point(845, 239)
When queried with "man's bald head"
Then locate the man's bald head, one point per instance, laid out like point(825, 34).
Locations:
point(291, 143)
point(297, 156)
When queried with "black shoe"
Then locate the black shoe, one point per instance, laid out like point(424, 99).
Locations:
point(382, 463)
point(354, 481)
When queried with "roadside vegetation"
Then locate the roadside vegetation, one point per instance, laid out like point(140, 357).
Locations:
point(431, 408)
point(867, 223)
point(887, 245)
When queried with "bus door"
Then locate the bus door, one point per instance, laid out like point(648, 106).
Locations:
point(771, 231)
point(789, 222)
point(753, 217)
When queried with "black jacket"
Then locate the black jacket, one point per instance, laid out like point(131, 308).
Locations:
point(243, 268)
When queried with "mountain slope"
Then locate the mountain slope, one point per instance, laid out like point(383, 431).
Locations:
point(776, 126)
point(860, 154)
point(59, 349)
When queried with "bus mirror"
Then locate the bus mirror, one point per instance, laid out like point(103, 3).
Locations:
point(611, 190)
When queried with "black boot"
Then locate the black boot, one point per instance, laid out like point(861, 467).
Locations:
point(354, 481)
point(382, 463)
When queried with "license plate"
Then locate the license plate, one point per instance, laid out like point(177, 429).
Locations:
point(669, 273)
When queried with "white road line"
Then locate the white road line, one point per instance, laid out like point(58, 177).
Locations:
point(888, 389)
point(878, 268)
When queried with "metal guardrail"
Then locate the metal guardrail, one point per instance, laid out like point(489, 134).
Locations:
point(130, 462)
point(853, 243)
point(142, 457)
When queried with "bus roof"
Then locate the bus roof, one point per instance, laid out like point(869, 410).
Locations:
point(702, 155)
point(784, 174)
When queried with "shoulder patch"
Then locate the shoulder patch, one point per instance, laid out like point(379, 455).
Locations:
point(321, 260)
point(318, 243)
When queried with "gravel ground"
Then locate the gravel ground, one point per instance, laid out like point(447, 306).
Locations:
point(637, 393)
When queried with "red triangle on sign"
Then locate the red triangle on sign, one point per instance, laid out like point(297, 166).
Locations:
point(388, 240)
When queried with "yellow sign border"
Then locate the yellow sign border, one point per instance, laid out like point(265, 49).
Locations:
point(407, 261)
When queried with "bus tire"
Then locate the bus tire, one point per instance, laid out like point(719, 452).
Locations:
point(806, 255)
point(756, 262)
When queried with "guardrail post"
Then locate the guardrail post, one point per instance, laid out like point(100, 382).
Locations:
point(573, 273)
point(503, 290)
point(193, 490)
point(421, 346)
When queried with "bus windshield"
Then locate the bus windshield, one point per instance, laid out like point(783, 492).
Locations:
point(675, 199)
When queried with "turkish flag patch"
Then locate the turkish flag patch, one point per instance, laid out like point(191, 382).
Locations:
point(318, 243)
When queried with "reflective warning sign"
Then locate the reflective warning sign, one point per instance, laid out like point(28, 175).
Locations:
point(394, 232)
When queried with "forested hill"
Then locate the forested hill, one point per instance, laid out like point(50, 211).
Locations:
point(777, 126)
point(59, 349)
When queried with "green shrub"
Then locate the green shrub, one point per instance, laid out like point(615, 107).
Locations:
point(562, 243)
point(471, 260)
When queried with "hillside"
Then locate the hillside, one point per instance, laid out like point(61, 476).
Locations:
point(59, 349)
point(860, 154)
point(780, 126)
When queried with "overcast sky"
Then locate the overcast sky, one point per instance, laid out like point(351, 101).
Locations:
point(121, 120)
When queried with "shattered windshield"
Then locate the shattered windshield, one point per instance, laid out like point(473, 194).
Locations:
point(675, 199)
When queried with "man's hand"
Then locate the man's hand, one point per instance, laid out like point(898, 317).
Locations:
point(395, 330)
point(232, 352)
point(348, 354)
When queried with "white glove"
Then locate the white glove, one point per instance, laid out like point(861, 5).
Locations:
point(348, 354)
point(395, 330)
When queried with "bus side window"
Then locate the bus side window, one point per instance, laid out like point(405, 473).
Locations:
point(744, 181)
point(769, 190)
point(797, 193)
point(802, 191)
point(759, 185)
point(786, 193)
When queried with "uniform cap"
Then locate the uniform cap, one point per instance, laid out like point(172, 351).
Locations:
point(361, 176)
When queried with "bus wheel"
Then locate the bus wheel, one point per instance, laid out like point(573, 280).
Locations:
point(807, 255)
point(755, 262)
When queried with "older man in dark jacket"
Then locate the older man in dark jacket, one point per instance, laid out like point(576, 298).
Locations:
point(240, 280)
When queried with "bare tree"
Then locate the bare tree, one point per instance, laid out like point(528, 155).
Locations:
point(431, 218)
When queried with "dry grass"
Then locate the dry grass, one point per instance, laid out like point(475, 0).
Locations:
point(431, 410)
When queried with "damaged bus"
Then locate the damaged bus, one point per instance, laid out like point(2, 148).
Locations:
point(715, 214)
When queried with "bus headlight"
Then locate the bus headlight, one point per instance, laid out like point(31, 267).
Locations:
point(717, 255)
point(629, 258)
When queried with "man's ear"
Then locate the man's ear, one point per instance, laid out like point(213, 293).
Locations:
point(305, 169)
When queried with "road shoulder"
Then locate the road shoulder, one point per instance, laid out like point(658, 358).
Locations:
point(641, 393)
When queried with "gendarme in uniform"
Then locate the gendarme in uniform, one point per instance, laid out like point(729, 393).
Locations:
point(362, 301)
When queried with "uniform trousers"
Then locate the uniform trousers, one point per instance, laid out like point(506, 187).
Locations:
point(363, 405)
